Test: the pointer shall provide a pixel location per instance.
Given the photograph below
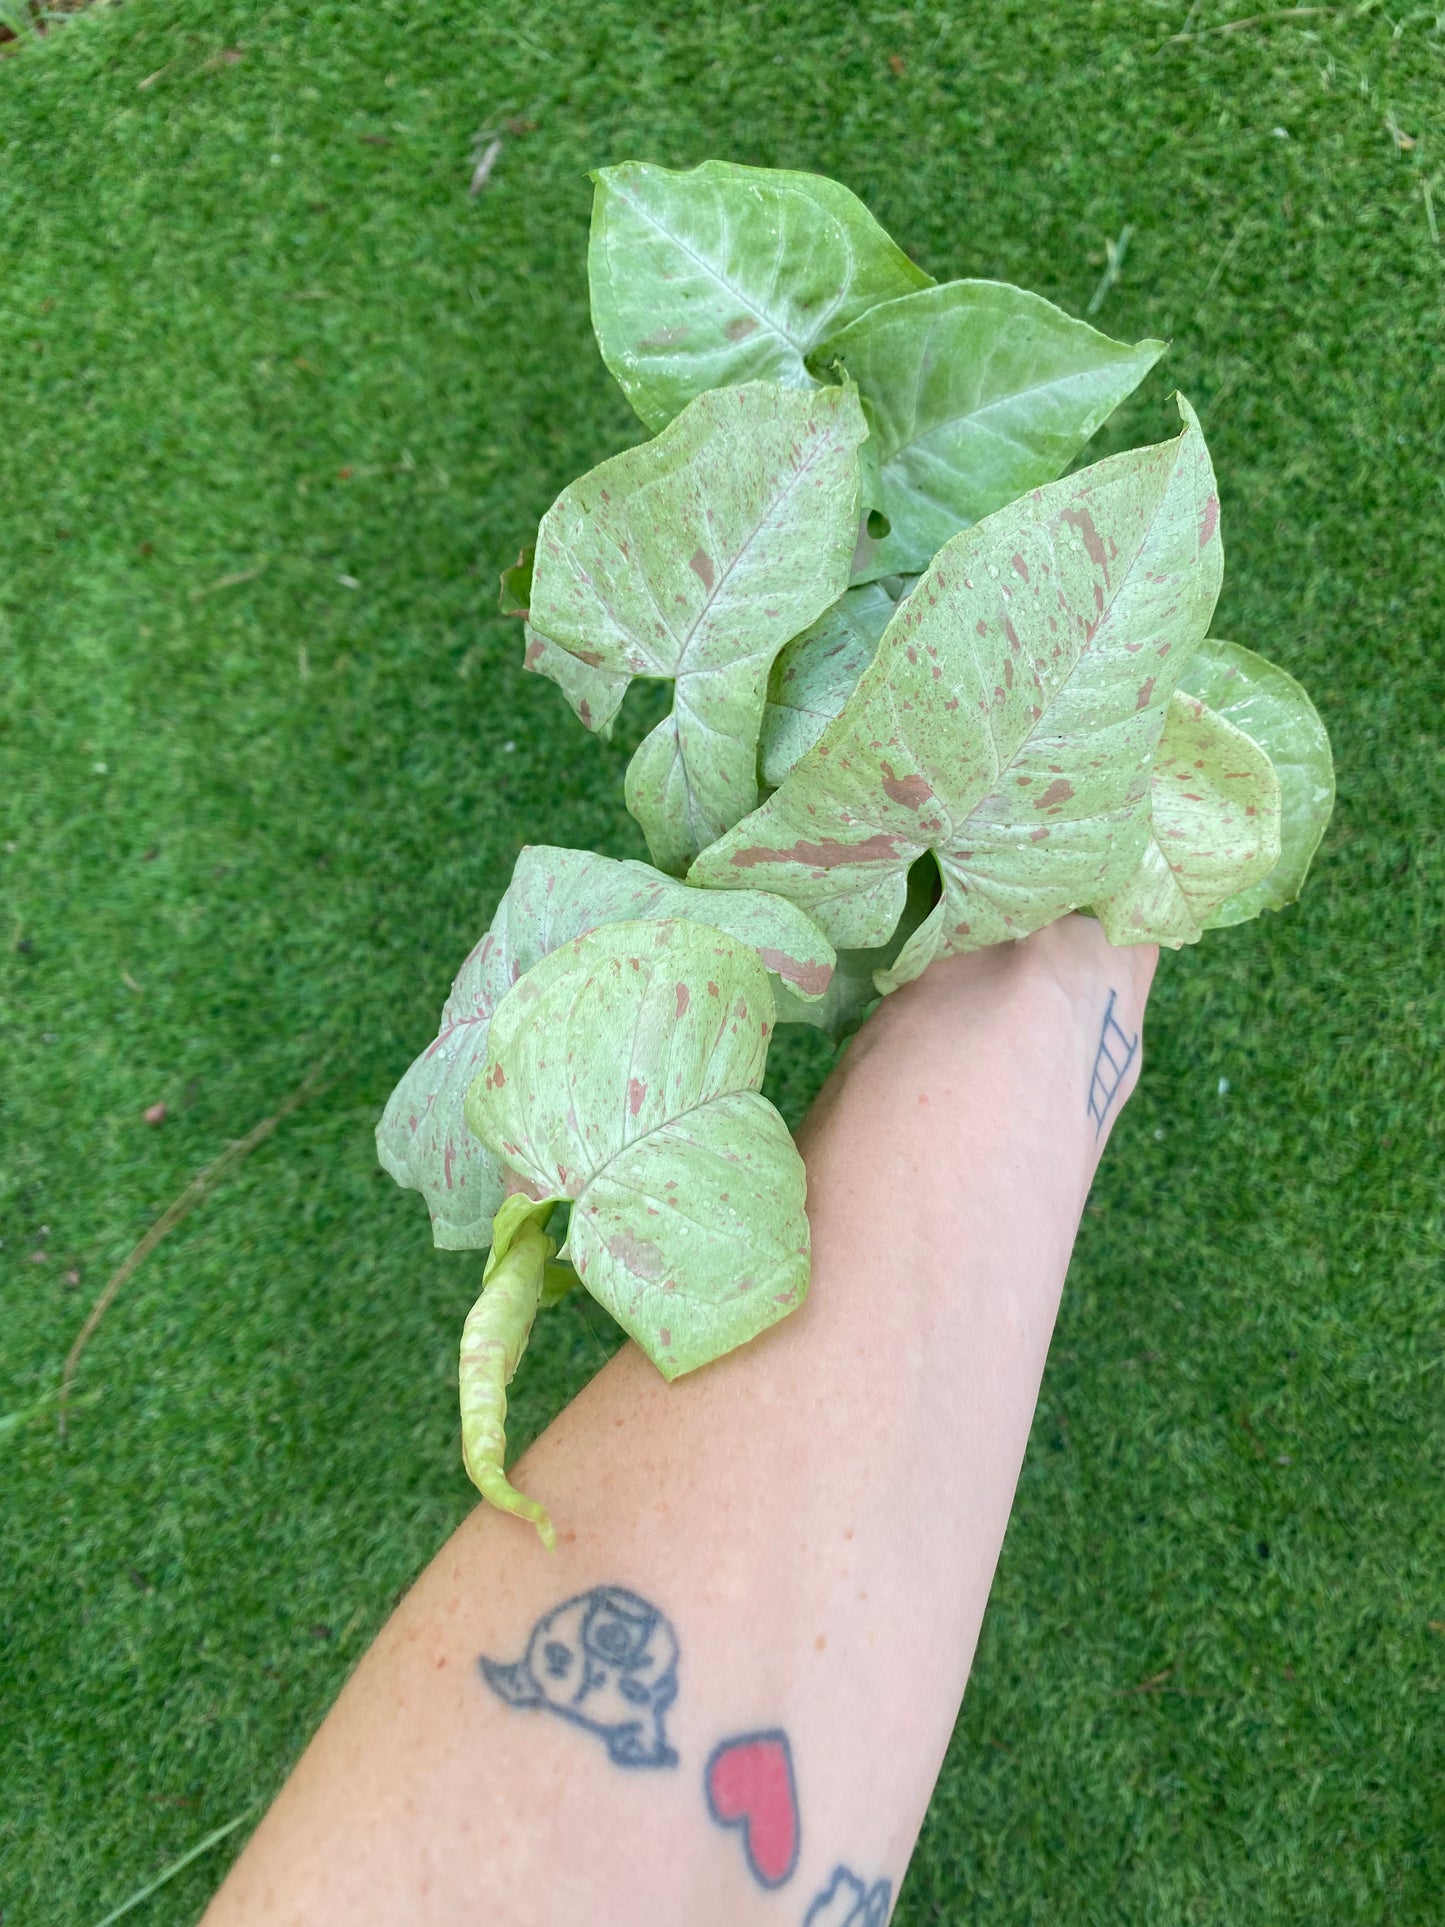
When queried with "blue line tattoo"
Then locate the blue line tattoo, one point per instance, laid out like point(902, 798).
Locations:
point(606, 1661)
point(847, 1902)
point(1111, 1063)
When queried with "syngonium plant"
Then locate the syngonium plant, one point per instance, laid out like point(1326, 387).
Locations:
point(926, 696)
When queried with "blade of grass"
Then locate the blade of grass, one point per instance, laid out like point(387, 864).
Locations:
point(177, 1866)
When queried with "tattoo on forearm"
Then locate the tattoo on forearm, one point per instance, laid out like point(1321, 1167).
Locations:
point(847, 1902)
point(1111, 1064)
point(749, 1785)
point(605, 1660)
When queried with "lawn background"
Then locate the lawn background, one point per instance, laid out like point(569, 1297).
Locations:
point(255, 327)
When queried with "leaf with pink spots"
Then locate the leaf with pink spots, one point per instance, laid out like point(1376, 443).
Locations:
point(1213, 830)
point(623, 1075)
point(722, 274)
point(1008, 721)
point(554, 896)
point(693, 559)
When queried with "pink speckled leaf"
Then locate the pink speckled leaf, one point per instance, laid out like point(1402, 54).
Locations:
point(693, 559)
point(1008, 721)
point(623, 1073)
point(1266, 702)
point(725, 274)
point(1214, 830)
point(554, 895)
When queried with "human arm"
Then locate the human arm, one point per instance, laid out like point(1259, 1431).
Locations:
point(810, 1525)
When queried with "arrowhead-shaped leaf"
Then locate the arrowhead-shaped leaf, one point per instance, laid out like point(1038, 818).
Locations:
point(695, 558)
point(554, 896)
point(1268, 704)
point(622, 1073)
point(1214, 830)
point(1008, 720)
point(975, 392)
point(816, 674)
point(727, 274)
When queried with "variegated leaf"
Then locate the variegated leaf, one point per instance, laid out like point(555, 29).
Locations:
point(725, 274)
point(1009, 719)
point(554, 896)
point(623, 1073)
point(694, 558)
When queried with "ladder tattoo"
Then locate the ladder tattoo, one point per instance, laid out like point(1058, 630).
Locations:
point(1115, 1054)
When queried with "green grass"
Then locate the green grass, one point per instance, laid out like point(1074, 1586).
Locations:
point(254, 326)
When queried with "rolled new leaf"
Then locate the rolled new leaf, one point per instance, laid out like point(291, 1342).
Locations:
point(726, 274)
point(975, 393)
point(1266, 702)
point(694, 559)
point(493, 1340)
point(1008, 721)
point(1214, 830)
point(554, 896)
point(623, 1073)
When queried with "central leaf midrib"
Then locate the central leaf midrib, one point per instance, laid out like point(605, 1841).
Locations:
point(773, 511)
point(1038, 728)
point(774, 327)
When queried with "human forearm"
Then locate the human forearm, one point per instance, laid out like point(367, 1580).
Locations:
point(815, 1520)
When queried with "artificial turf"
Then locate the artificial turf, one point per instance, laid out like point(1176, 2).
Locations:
point(278, 398)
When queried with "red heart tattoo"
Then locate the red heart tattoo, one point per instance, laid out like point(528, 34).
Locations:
point(749, 1784)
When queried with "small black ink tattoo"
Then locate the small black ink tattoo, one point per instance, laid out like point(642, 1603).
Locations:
point(846, 1902)
point(749, 1785)
point(1115, 1054)
point(605, 1660)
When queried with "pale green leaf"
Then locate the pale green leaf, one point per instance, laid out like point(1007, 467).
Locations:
point(554, 896)
point(493, 1340)
point(817, 673)
point(594, 693)
point(975, 393)
point(725, 274)
point(1268, 704)
point(623, 1073)
point(1008, 720)
point(694, 558)
point(1214, 830)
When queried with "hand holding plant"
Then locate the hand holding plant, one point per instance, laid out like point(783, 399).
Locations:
point(927, 697)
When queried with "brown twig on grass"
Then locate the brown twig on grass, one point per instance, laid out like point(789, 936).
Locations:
point(204, 1182)
point(1150, 1685)
point(1253, 20)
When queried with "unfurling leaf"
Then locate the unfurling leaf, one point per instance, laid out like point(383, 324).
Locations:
point(554, 896)
point(694, 558)
point(1268, 704)
point(1214, 830)
point(687, 1191)
point(975, 393)
point(1008, 720)
point(493, 1340)
point(726, 274)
